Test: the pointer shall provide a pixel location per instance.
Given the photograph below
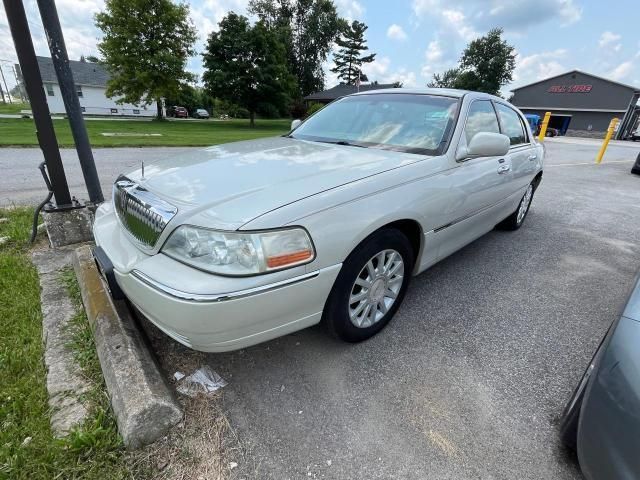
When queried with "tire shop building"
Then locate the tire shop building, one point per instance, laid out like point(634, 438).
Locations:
point(581, 104)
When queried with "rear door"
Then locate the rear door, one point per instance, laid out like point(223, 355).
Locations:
point(522, 153)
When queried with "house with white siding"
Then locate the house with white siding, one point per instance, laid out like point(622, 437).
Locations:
point(91, 83)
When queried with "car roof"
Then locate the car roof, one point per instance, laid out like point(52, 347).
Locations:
point(445, 92)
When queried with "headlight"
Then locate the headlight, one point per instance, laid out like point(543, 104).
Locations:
point(239, 253)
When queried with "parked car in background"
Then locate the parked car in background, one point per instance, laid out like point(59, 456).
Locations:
point(200, 113)
point(177, 112)
point(240, 243)
point(602, 418)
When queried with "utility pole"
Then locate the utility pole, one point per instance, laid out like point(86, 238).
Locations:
point(33, 83)
point(2, 91)
point(51, 24)
point(20, 84)
point(5, 86)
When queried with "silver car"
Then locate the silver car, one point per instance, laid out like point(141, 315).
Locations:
point(244, 242)
point(602, 418)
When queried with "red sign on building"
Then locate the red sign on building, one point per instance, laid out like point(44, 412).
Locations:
point(570, 88)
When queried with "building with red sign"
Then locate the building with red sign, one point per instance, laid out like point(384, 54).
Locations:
point(581, 104)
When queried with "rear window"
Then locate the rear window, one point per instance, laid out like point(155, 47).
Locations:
point(511, 124)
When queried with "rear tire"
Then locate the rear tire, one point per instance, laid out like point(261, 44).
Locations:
point(370, 286)
point(516, 219)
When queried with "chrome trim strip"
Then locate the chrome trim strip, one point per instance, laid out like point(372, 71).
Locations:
point(220, 297)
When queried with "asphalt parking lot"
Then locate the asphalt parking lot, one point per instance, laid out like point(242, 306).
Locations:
point(469, 379)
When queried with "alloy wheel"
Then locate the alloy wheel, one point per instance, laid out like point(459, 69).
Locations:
point(376, 288)
point(524, 204)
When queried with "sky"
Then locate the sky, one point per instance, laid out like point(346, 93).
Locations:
point(413, 39)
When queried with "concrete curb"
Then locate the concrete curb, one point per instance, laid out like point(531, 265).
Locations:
point(144, 405)
point(65, 381)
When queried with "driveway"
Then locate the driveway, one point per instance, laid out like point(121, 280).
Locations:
point(469, 379)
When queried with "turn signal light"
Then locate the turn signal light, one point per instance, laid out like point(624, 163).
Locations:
point(289, 258)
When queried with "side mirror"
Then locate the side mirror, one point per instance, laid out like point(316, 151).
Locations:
point(295, 123)
point(485, 144)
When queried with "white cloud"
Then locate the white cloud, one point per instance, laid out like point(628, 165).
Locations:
point(350, 9)
point(456, 21)
point(622, 71)
point(396, 32)
point(380, 71)
point(434, 51)
point(610, 40)
point(538, 66)
point(510, 14)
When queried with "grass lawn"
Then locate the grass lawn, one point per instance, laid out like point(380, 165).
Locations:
point(13, 107)
point(21, 132)
point(28, 449)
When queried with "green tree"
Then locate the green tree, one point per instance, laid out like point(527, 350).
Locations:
point(445, 80)
point(348, 59)
point(486, 65)
point(145, 46)
point(247, 65)
point(187, 96)
point(308, 29)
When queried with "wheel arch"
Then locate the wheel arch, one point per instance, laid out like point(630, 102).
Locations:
point(409, 227)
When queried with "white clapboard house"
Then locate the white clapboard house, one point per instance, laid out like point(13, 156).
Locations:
point(91, 82)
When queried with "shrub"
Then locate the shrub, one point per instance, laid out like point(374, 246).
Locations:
point(313, 108)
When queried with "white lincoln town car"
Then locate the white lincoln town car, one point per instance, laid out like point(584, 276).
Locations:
point(241, 243)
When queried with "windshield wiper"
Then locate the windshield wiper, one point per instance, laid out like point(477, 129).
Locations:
point(343, 142)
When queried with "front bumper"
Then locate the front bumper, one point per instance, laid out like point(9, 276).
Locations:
point(208, 312)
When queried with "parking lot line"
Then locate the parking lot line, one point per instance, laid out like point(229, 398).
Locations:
point(587, 163)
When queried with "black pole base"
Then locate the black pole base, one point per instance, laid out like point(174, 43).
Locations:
point(636, 167)
point(74, 205)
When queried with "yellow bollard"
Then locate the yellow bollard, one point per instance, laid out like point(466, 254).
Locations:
point(543, 127)
point(607, 137)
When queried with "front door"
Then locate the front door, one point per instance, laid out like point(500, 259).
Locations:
point(479, 186)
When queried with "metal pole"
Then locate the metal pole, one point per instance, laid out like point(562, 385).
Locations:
point(607, 137)
point(2, 91)
point(20, 83)
point(51, 24)
point(13, 69)
point(5, 85)
point(543, 127)
point(33, 83)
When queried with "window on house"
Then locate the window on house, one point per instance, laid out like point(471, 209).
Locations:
point(50, 90)
point(79, 90)
point(83, 109)
point(136, 111)
point(114, 110)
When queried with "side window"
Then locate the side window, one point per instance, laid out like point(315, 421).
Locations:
point(511, 124)
point(481, 118)
point(50, 90)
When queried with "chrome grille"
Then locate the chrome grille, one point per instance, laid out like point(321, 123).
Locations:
point(142, 213)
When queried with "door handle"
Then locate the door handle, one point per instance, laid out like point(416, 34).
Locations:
point(532, 157)
point(503, 169)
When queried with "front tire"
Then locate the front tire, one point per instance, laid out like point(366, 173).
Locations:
point(370, 286)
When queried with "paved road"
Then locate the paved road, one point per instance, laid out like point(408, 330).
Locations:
point(468, 380)
point(21, 182)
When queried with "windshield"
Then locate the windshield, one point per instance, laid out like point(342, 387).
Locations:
point(405, 122)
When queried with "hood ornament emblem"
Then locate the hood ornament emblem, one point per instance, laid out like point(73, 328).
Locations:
point(142, 168)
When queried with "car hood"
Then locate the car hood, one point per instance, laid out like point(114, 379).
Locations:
point(228, 185)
